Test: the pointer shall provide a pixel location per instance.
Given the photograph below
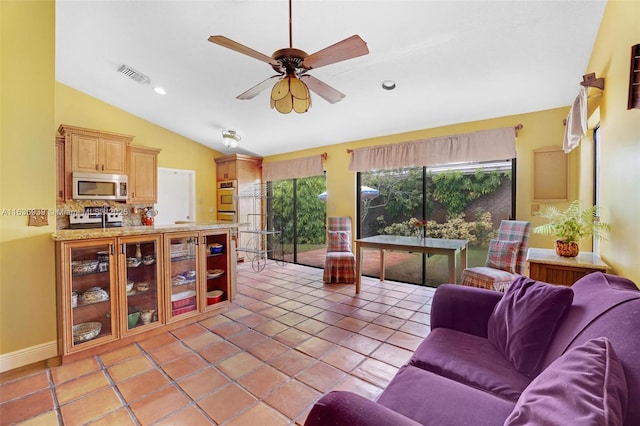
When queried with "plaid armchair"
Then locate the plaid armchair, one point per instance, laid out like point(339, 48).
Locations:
point(340, 262)
point(506, 259)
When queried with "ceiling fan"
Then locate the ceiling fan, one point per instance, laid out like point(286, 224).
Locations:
point(291, 91)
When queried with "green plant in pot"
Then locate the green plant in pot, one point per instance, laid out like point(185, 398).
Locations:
point(571, 226)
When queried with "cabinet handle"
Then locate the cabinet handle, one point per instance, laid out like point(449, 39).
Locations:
point(111, 249)
point(103, 167)
point(97, 167)
point(197, 240)
point(60, 192)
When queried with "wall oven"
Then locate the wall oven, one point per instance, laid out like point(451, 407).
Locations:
point(227, 196)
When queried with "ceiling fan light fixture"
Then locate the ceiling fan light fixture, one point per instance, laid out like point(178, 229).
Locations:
point(230, 138)
point(289, 94)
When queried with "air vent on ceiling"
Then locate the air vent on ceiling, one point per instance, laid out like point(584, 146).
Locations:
point(133, 74)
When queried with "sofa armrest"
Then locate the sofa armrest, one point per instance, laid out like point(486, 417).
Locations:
point(343, 408)
point(462, 308)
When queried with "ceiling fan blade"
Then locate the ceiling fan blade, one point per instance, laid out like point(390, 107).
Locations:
point(251, 93)
point(241, 48)
point(348, 48)
point(325, 91)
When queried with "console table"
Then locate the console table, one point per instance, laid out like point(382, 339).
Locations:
point(545, 265)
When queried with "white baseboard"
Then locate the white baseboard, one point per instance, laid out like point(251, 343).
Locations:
point(27, 356)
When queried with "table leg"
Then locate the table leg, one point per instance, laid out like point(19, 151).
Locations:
point(463, 258)
point(358, 267)
point(452, 266)
point(382, 251)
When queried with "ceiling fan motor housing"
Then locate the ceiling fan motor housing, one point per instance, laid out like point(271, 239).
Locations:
point(290, 59)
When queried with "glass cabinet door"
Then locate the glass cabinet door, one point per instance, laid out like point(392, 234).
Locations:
point(215, 262)
point(181, 258)
point(92, 293)
point(140, 260)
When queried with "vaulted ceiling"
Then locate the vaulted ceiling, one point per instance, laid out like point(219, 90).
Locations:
point(452, 61)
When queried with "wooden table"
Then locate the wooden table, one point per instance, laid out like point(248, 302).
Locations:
point(545, 265)
point(442, 246)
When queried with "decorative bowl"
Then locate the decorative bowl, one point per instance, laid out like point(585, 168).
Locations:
point(129, 286)
point(215, 248)
point(190, 274)
point(148, 260)
point(86, 331)
point(81, 267)
point(142, 286)
point(93, 295)
point(132, 319)
point(214, 273)
point(214, 296)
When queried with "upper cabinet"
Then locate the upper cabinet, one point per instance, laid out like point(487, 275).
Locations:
point(243, 168)
point(143, 174)
point(95, 151)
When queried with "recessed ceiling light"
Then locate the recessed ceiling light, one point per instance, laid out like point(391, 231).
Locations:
point(388, 85)
point(159, 90)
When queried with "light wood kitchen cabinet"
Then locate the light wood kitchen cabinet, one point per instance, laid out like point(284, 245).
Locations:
point(143, 174)
point(197, 272)
point(114, 291)
point(94, 151)
point(61, 189)
point(243, 168)
point(87, 294)
point(140, 283)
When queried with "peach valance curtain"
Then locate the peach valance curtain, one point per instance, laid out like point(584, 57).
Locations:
point(293, 169)
point(485, 145)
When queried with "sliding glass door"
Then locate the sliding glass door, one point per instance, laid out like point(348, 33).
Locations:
point(457, 201)
point(298, 212)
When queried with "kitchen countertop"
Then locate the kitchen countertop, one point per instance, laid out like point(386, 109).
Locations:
point(87, 234)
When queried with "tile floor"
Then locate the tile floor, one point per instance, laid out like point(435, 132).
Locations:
point(286, 340)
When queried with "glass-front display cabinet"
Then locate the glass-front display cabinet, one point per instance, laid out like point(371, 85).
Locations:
point(181, 274)
point(215, 260)
point(140, 284)
point(91, 296)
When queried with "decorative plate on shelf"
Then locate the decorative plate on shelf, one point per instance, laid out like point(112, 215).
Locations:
point(214, 273)
point(94, 295)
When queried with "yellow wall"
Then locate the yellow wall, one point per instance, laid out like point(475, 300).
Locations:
point(27, 285)
point(620, 137)
point(177, 152)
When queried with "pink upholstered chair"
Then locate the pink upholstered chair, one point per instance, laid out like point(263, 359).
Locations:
point(340, 263)
point(506, 259)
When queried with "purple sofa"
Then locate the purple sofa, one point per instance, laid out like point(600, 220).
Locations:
point(537, 355)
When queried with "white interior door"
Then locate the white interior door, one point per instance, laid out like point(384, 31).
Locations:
point(176, 196)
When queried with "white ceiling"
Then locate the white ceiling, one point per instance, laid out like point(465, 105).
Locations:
point(453, 62)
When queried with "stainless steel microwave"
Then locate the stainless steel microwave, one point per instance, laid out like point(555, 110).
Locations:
point(99, 186)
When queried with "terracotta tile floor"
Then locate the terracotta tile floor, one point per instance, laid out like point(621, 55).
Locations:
point(285, 341)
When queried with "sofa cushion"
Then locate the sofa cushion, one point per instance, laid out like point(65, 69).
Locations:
point(471, 360)
point(585, 386)
point(524, 322)
point(502, 255)
point(339, 241)
point(430, 399)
